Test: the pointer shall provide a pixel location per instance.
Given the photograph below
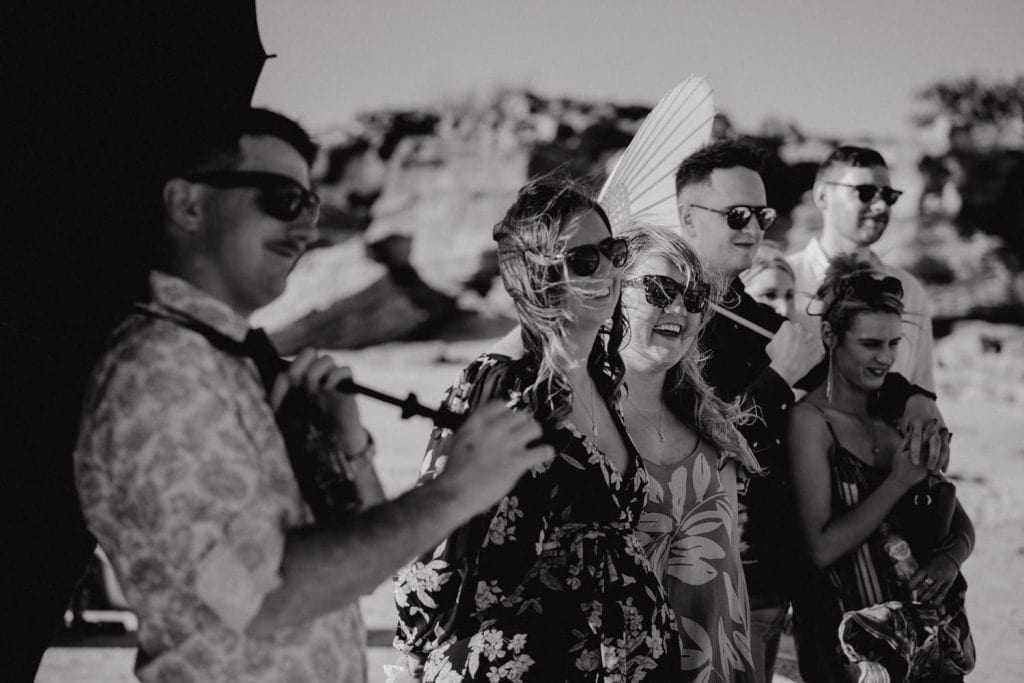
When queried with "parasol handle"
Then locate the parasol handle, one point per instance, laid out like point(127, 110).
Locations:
point(754, 327)
point(411, 406)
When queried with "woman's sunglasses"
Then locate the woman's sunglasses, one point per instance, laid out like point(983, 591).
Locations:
point(737, 217)
point(280, 197)
point(661, 291)
point(585, 259)
point(867, 193)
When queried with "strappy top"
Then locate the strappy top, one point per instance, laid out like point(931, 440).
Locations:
point(862, 576)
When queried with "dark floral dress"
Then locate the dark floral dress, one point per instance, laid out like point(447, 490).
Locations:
point(549, 585)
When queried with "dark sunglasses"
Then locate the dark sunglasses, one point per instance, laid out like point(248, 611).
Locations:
point(737, 217)
point(280, 197)
point(585, 259)
point(661, 291)
point(867, 193)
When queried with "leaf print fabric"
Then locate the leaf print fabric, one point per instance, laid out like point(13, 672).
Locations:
point(184, 479)
point(688, 531)
point(552, 583)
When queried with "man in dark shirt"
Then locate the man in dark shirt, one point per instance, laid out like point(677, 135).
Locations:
point(723, 212)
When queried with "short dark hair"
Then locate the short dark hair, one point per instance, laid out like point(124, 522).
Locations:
point(850, 155)
point(218, 147)
point(697, 167)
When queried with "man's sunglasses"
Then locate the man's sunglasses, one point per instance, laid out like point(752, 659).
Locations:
point(661, 291)
point(867, 193)
point(737, 217)
point(280, 197)
point(585, 259)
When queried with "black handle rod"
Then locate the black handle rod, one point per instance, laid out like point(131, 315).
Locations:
point(410, 406)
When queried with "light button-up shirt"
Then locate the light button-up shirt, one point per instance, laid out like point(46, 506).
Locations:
point(185, 481)
point(914, 357)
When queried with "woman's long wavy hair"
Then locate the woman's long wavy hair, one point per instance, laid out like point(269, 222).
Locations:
point(687, 394)
point(542, 219)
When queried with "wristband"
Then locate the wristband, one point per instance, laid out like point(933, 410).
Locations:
point(365, 453)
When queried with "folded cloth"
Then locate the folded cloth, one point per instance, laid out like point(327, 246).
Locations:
point(894, 641)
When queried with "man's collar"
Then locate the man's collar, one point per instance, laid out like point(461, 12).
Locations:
point(183, 298)
point(819, 260)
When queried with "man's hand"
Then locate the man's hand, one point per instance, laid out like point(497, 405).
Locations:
point(318, 377)
point(794, 352)
point(923, 421)
point(488, 454)
point(905, 470)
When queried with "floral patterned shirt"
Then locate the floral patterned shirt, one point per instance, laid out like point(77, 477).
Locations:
point(184, 479)
point(551, 584)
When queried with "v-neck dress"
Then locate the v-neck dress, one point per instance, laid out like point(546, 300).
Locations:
point(552, 583)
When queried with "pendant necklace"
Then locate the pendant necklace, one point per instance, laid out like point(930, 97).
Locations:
point(657, 428)
point(875, 448)
point(591, 412)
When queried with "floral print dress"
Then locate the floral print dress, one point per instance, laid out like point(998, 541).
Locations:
point(551, 584)
point(689, 531)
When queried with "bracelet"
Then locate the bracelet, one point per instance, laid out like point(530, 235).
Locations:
point(365, 453)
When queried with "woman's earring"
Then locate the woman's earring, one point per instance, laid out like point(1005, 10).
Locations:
point(828, 381)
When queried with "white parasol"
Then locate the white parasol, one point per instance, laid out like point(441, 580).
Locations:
point(642, 184)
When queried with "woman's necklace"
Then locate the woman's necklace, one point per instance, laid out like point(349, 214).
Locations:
point(657, 428)
point(870, 433)
point(591, 412)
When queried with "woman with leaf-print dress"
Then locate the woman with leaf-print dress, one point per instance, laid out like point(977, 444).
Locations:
point(552, 584)
point(693, 453)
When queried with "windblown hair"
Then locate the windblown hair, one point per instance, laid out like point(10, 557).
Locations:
point(850, 155)
point(842, 301)
point(768, 257)
point(687, 394)
point(542, 219)
point(698, 167)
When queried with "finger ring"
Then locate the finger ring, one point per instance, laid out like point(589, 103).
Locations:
point(929, 581)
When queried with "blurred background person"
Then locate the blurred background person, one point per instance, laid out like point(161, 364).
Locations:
point(854, 192)
point(770, 280)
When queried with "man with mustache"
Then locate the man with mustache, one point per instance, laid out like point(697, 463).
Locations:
point(723, 213)
point(208, 469)
point(855, 195)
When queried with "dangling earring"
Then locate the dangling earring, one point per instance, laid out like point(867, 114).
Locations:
point(828, 381)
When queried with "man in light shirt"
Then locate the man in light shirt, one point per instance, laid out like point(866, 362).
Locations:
point(854, 193)
point(236, 560)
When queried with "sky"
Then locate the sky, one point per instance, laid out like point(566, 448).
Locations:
point(834, 67)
